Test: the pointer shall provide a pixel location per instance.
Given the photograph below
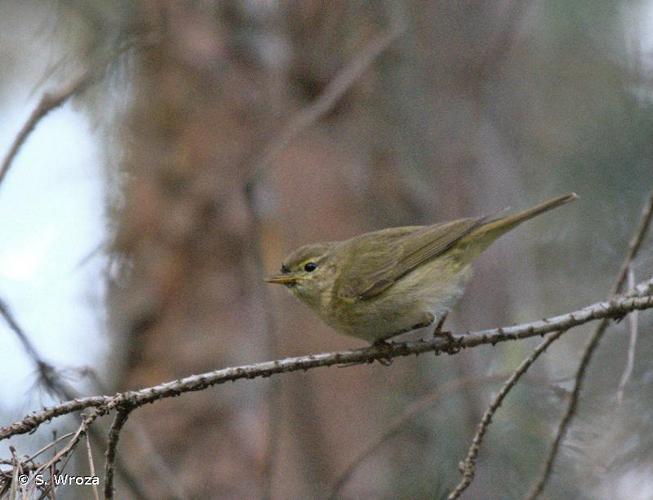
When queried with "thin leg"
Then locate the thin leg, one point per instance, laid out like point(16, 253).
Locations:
point(438, 332)
point(438, 327)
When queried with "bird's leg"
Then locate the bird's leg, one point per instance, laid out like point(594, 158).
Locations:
point(452, 348)
point(438, 332)
point(381, 344)
point(386, 346)
point(427, 320)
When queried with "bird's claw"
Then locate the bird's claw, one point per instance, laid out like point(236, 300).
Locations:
point(452, 346)
point(385, 346)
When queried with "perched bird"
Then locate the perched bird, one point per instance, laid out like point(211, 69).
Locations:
point(384, 283)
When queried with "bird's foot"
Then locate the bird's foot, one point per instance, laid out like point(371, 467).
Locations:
point(437, 331)
point(452, 347)
point(384, 346)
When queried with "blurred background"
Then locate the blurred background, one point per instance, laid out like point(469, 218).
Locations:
point(139, 218)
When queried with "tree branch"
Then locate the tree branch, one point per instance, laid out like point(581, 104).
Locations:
point(54, 99)
point(48, 102)
point(91, 466)
point(633, 248)
point(114, 435)
point(332, 93)
point(615, 308)
point(632, 346)
point(468, 466)
point(49, 377)
point(400, 422)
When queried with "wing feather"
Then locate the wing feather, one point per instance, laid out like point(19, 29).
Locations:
point(392, 253)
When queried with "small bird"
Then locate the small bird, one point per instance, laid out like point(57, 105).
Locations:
point(381, 284)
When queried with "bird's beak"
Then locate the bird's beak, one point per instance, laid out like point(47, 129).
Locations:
point(282, 279)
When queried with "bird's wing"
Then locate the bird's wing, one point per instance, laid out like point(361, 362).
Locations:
point(395, 252)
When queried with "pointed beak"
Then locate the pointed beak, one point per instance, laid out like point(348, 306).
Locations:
point(282, 279)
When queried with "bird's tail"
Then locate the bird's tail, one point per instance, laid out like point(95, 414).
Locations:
point(483, 236)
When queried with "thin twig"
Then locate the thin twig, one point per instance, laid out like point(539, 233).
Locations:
point(331, 94)
point(632, 345)
point(63, 454)
point(54, 99)
point(112, 445)
point(91, 466)
point(18, 470)
point(49, 377)
point(47, 373)
point(400, 422)
point(468, 466)
point(617, 307)
point(633, 248)
point(48, 102)
point(50, 445)
point(165, 475)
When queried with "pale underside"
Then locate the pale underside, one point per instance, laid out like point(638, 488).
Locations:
point(415, 300)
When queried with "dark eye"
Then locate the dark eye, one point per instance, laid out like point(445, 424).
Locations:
point(309, 267)
point(284, 269)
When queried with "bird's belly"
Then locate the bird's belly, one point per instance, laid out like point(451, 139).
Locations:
point(431, 289)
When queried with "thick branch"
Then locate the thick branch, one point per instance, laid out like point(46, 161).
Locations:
point(615, 308)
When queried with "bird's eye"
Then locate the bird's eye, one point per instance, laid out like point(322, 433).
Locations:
point(284, 269)
point(309, 267)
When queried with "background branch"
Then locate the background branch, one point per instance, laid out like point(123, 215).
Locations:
point(400, 422)
point(336, 88)
point(49, 377)
point(633, 248)
point(632, 345)
point(52, 100)
point(468, 466)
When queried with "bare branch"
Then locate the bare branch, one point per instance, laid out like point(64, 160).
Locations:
point(112, 445)
point(468, 466)
point(54, 99)
point(48, 102)
point(91, 466)
point(635, 244)
point(49, 377)
point(336, 88)
point(406, 416)
point(633, 248)
point(614, 308)
point(64, 453)
point(47, 374)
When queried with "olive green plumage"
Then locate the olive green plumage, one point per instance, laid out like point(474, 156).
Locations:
point(387, 282)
